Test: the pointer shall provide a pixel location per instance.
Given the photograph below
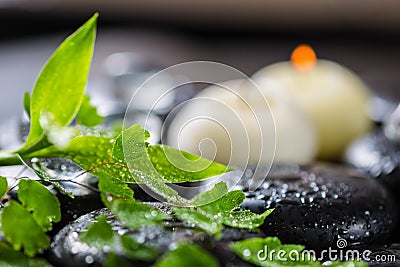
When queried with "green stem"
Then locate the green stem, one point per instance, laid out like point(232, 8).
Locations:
point(9, 159)
point(41, 143)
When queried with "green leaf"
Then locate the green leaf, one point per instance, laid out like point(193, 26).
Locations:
point(86, 151)
point(178, 166)
point(60, 87)
point(12, 258)
point(134, 214)
point(3, 186)
point(130, 150)
point(27, 104)
point(114, 260)
point(218, 199)
point(105, 158)
point(87, 114)
point(226, 203)
point(94, 154)
point(43, 205)
point(187, 255)
point(209, 223)
point(245, 219)
point(137, 251)
point(21, 230)
point(99, 234)
point(215, 208)
point(219, 190)
point(132, 139)
point(113, 187)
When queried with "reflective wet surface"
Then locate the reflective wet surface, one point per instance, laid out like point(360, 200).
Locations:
point(318, 204)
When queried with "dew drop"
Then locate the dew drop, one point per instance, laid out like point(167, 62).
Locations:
point(246, 253)
point(89, 259)
point(74, 250)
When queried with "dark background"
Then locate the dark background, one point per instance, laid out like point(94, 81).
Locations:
point(362, 35)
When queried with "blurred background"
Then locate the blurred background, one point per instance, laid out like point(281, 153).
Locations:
point(362, 35)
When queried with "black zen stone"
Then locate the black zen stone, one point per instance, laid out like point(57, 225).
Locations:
point(380, 256)
point(316, 205)
point(378, 156)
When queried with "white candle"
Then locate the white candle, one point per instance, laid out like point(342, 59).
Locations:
point(331, 95)
point(219, 125)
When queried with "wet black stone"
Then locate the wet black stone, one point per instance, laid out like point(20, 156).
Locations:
point(316, 205)
point(378, 156)
point(377, 256)
point(385, 256)
point(67, 250)
point(74, 208)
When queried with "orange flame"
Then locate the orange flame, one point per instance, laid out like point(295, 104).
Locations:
point(303, 57)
